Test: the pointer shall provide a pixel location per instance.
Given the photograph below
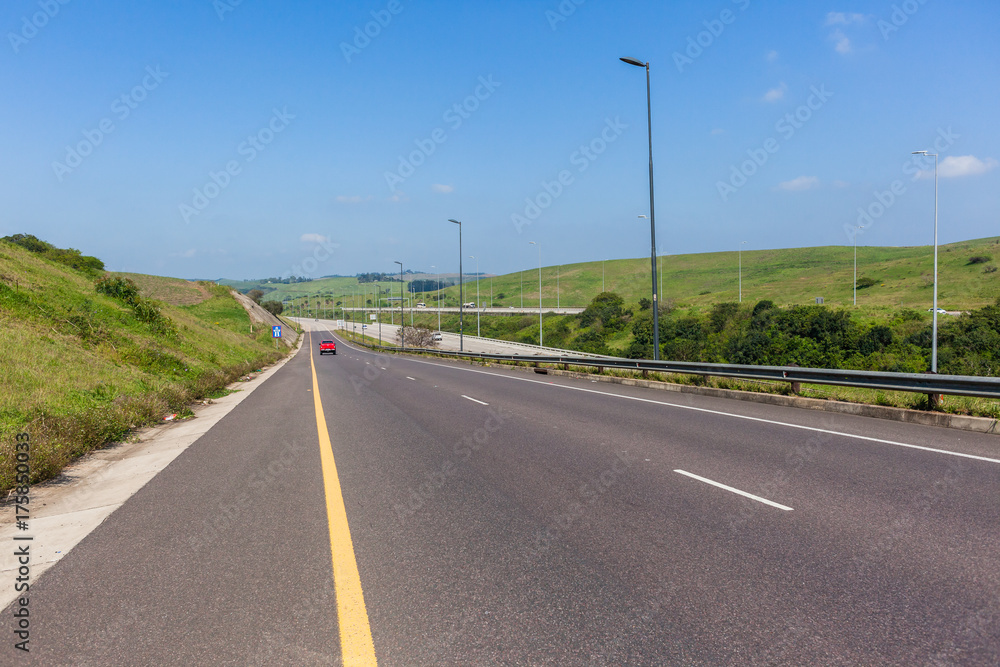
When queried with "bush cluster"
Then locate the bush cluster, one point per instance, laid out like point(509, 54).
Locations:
point(815, 336)
point(145, 310)
point(71, 257)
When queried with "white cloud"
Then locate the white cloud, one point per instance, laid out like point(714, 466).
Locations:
point(771, 56)
point(843, 18)
point(800, 183)
point(314, 238)
point(443, 189)
point(353, 199)
point(957, 166)
point(775, 94)
point(843, 42)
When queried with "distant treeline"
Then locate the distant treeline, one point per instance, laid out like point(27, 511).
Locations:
point(71, 257)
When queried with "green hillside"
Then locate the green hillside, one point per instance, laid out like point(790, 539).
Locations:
point(79, 369)
point(904, 277)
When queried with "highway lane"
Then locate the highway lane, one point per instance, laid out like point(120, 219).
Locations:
point(450, 341)
point(885, 558)
point(500, 517)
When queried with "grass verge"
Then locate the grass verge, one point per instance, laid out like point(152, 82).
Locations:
point(80, 370)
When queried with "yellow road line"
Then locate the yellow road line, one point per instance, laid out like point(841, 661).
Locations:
point(356, 646)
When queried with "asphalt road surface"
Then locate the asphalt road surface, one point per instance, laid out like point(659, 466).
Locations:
point(467, 516)
point(449, 341)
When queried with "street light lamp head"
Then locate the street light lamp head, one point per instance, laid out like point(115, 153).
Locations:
point(633, 61)
point(455, 221)
point(919, 153)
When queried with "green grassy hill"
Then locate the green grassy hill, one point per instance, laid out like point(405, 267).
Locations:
point(904, 277)
point(79, 369)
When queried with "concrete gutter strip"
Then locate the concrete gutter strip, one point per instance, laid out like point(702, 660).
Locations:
point(67, 508)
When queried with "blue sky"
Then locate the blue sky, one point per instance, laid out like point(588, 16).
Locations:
point(226, 138)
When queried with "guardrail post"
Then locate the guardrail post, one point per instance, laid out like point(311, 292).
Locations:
point(796, 387)
point(565, 367)
point(933, 400)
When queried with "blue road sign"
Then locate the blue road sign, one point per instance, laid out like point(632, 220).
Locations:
point(276, 331)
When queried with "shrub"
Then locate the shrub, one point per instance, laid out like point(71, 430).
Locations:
point(875, 339)
point(721, 314)
point(123, 289)
point(865, 281)
point(980, 259)
point(273, 307)
point(989, 268)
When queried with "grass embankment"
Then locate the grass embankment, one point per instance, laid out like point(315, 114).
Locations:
point(79, 370)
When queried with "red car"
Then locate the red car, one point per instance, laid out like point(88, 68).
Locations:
point(327, 346)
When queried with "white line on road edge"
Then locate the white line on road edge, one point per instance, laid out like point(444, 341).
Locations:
point(474, 400)
point(721, 413)
point(736, 491)
point(409, 378)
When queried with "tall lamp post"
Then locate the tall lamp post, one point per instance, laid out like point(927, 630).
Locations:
point(659, 267)
point(378, 311)
point(461, 291)
point(438, 297)
point(742, 243)
point(479, 305)
point(856, 262)
point(652, 210)
point(402, 322)
point(539, 291)
point(935, 313)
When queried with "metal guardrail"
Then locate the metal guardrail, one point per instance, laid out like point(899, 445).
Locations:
point(921, 383)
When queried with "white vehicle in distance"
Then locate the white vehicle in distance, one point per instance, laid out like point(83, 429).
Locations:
point(471, 304)
point(436, 336)
point(421, 305)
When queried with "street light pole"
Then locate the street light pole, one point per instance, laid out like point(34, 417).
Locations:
point(741, 270)
point(539, 291)
point(461, 291)
point(935, 313)
point(438, 297)
point(402, 322)
point(378, 311)
point(652, 210)
point(479, 305)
